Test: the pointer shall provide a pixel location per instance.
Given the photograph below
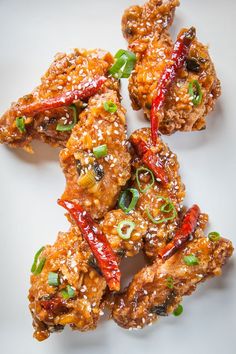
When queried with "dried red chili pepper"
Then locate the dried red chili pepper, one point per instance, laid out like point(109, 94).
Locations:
point(86, 90)
point(178, 58)
point(149, 158)
point(183, 234)
point(98, 243)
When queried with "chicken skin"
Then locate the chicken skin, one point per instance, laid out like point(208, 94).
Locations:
point(46, 113)
point(146, 30)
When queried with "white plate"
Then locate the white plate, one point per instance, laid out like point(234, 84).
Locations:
point(31, 33)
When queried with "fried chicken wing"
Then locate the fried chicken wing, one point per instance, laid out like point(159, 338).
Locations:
point(151, 201)
point(158, 289)
point(146, 30)
point(70, 78)
point(75, 297)
point(95, 182)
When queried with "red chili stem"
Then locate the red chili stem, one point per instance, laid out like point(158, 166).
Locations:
point(183, 234)
point(150, 159)
point(178, 58)
point(98, 243)
point(86, 89)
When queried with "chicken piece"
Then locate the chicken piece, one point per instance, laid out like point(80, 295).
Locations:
point(146, 30)
point(95, 182)
point(69, 75)
point(124, 247)
point(53, 307)
point(152, 200)
point(158, 289)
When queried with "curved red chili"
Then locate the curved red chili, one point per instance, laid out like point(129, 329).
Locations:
point(183, 234)
point(86, 89)
point(149, 158)
point(178, 58)
point(98, 243)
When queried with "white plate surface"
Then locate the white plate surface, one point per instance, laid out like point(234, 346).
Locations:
point(31, 33)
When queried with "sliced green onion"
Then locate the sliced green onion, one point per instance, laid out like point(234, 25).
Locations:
point(124, 64)
point(20, 124)
point(128, 226)
point(67, 127)
point(214, 236)
point(195, 91)
point(123, 199)
point(40, 266)
point(165, 208)
point(191, 260)
point(53, 279)
point(68, 293)
point(110, 106)
point(100, 151)
point(144, 169)
point(170, 282)
point(178, 310)
point(37, 254)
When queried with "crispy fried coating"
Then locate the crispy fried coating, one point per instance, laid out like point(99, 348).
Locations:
point(158, 234)
point(96, 182)
point(65, 74)
point(158, 289)
point(146, 30)
point(70, 257)
point(122, 247)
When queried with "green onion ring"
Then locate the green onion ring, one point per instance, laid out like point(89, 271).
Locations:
point(40, 266)
point(100, 151)
point(140, 169)
point(110, 106)
point(178, 310)
point(191, 260)
point(124, 64)
point(53, 279)
point(134, 200)
point(37, 254)
point(127, 234)
point(65, 128)
point(195, 91)
point(214, 236)
point(165, 208)
point(20, 124)
point(68, 293)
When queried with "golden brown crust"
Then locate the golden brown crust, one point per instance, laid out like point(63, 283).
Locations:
point(97, 127)
point(65, 74)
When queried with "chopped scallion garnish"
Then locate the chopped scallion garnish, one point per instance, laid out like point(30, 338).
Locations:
point(195, 92)
point(168, 207)
point(20, 124)
point(40, 266)
point(68, 293)
point(214, 236)
point(67, 127)
point(53, 279)
point(124, 64)
point(178, 310)
point(191, 260)
point(144, 170)
point(110, 106)
point(125, 229)
point(100, 151)
point(124, 197)
point(35, 263)
point(170, 282)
